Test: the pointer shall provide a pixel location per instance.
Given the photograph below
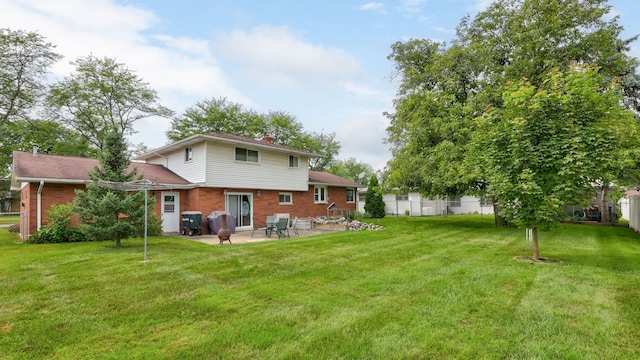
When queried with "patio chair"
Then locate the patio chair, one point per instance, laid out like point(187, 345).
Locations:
point(267, 226)
point(294, 222)
point(282, 228)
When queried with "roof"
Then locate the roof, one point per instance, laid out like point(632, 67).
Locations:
point(225, 138)
point(75, 170)
point(325, 178)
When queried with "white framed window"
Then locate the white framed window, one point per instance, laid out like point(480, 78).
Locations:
point(188, 154)
point(320, 194)
point(485, 201)
point(285, 198)
point(294, 161)
point(362, 197)
point(455, 201)
point(350, 195)
point(243, 154)
point(402, 197)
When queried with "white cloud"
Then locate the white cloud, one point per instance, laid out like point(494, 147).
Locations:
point(182, 70)
point(362, 136)
point(276, 55)
point(372, 6)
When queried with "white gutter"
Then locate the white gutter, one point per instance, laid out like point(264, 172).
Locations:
point(39, 206)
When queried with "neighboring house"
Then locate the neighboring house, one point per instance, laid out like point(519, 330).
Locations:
point(413, 204)
point(214, 172)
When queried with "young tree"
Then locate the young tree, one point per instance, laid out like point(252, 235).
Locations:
point(373, 202)
point(547, 145)
point(101, 96)
point(108, 214)
point(24, 61)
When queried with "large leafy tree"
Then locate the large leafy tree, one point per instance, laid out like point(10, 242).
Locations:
point(226, 117)
point(101, 96)
point(217, 116)
point(546, 145)
point(25, 58)
point(444, 87)
point(109, 213)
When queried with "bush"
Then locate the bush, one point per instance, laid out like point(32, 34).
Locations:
point(59, 228)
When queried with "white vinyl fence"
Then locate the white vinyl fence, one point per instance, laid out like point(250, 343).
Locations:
point(634, 212)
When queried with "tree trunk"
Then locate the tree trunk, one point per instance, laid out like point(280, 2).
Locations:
point(496, 211)
point(536, 252)
point(604, 206)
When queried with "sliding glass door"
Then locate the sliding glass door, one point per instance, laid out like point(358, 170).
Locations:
point(241, 207)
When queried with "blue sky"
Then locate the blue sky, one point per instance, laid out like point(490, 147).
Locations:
point(324, 62)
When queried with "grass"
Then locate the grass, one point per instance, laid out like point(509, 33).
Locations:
point(427, 287)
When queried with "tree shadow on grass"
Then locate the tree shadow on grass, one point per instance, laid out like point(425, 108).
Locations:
point(541, 260)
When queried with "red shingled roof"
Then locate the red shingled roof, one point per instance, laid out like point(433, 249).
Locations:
point(71, 169)
point(320, 177)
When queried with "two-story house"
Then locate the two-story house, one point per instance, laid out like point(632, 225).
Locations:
point(211, 172)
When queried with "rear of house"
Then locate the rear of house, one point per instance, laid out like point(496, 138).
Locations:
point(215, 172)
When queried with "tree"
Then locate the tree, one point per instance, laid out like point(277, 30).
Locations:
point(101, 96)
point(444, 87)
point(224, 117)
point(217, 116)
point(373, 202)
point(352, 169)
point(547, 145)
point(324, 145)
point(108, 214)
point(24, 61)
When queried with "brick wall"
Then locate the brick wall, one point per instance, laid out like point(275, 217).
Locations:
point(205, 200)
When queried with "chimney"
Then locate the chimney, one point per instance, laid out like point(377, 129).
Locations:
point(267, 139)
point(35, 149)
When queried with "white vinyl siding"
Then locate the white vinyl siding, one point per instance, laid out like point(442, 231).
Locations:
point(193, 171)
point(271, 173)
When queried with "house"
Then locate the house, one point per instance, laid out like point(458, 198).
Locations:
point(414, 204)
point(210, 172)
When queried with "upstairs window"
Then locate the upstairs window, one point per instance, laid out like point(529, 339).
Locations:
point(247, 155)
point(293, 161)
point(320, 194)
point(188, 154)
point(402, 197)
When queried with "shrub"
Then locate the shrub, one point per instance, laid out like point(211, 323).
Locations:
point(59, 228)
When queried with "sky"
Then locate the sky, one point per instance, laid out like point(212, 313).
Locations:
point(322, 61)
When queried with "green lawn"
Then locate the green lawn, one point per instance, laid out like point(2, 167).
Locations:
point(444, 288)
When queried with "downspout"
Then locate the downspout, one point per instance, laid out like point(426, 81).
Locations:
point(39, 206)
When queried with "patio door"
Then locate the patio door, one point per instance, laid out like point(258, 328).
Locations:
point(170, 211)
point(241, 207)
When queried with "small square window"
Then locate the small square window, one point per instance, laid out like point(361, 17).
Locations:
point(293, 161)
point(285, 198)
